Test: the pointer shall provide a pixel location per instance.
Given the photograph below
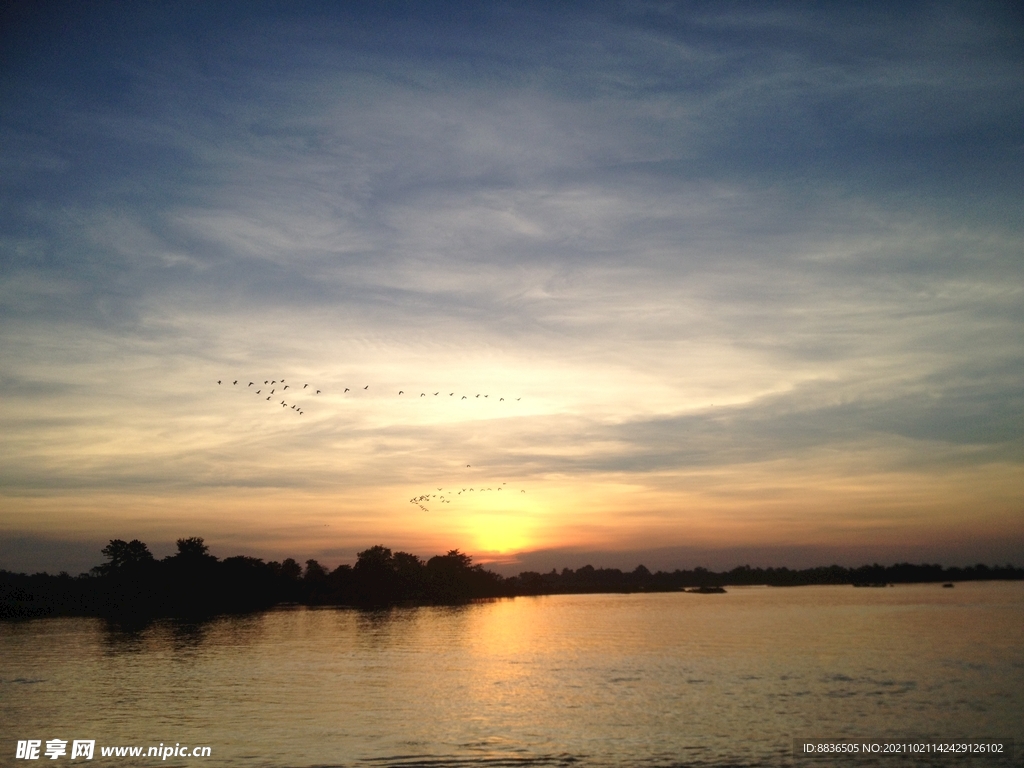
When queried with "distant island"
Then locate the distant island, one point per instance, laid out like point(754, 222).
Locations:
point(132, 584)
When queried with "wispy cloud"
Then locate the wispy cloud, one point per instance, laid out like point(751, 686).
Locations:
point(690, 241)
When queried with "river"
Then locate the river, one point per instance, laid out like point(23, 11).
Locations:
point(603, 680)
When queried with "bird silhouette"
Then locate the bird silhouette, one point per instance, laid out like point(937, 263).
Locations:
point(272, 391)
point(423, 394)
point(235, 381)
point(251, 383)
point(318, 391)
point(218, 381)
point(435, 394)
point(367, 386)
point(258, 391)
point(463, 397)
point(478, 395)
point(450, 394)
point(305, 385)
point(501, 399)
point(399, 391)
point(286, 386)
point(268, 397)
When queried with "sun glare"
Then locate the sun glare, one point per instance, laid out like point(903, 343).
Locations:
point(499, 533)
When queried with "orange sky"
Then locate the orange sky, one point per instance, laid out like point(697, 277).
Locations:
point(694, 297)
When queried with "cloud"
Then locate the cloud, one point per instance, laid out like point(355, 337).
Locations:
point(621, 214)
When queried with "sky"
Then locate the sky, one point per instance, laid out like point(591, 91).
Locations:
point(673, 283)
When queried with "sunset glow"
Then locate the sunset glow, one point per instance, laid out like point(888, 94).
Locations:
point(332, 279)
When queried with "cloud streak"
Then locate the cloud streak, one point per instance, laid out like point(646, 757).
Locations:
point(699, 240)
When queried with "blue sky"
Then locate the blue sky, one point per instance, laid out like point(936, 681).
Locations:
point(753, 271)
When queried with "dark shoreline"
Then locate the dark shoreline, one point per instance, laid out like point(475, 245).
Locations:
point(132, 585)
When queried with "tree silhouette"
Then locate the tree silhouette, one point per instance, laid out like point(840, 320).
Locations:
point(375, 577)
point(410, 576)
point(122, 554)
point(314, 571)
point(193, 548)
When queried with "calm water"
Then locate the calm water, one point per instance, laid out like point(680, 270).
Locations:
point(616, 680)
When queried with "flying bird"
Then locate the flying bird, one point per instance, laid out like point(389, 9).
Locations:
point(235, 381)
point(399, 391)
point(251, 383)
point(318, 391)
point(218, 381)
point(450, 394)
point(258, 391)
point(423, 394)
point(305, 385)
point(463, 397)
point(501, 399)
point(367, 386)
point(286, 386)
point(435, 394)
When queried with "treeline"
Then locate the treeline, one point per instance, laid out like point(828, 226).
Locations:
point(192, 582)
point(132, 584)
point(589, 579)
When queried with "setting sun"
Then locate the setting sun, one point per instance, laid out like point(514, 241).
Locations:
point(500, 533)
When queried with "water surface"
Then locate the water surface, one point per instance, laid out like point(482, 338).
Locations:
point(645, 679)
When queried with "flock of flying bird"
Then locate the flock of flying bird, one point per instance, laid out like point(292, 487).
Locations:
point(275, 384)
point(452, 394)
point(278, 387)
point(453, 493)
